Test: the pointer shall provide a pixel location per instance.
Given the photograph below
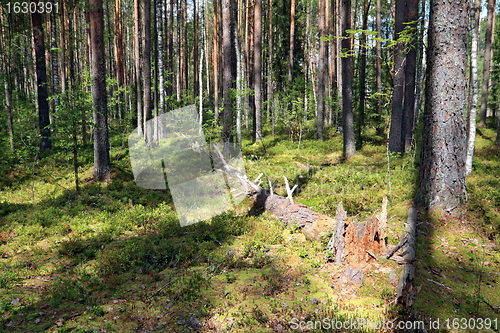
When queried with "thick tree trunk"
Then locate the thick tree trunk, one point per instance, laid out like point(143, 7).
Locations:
point(487, 62)
point(410, 72)
point(138, 69)
point(146, 69)
point(442, 181)
point(396, 135)
point(41, 81)
point(473, 85)
point(321, 69)
point(258, 68)
point(347, 115)
point(100, 101)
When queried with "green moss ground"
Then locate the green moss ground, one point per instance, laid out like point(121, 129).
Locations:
point(114, 258)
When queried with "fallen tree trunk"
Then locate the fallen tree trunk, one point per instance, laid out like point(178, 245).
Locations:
point(358, 241)
point(406, 291)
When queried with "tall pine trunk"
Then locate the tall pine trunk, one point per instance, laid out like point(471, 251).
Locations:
point(347, 115)
point(100, 100)
point(215, 60)
point(41, 81)
point(442, 181)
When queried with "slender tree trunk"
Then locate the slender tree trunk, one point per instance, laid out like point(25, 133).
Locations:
point(347, 115)
point(170, 89)
point(119, 59)
point(290, 62)
point(195, 51)
point(41, 81)
point(239, 88)
point(473, 85)
point(420, 66)
point(487, 62)
point(215, 60)
point(185, 63)
point(250, 65)
point(292, 38)
point(270, 89)
point(362, 73)
point(321, 68)
point(101, 144)
point(146, 69)
point(7, 81)
point(54, 59)
point(226, 135)
point(410, 71)
point(442, 182)
point(333, 64)
point(161, 66)
point(258, 68)
point(378, 69)
point(338, 27)
point(138, 69)
point(396, 135)
point(62, 37)
point(200, 74)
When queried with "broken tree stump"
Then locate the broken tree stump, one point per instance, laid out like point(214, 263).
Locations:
point(356, 242)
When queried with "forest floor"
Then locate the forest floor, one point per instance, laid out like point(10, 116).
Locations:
point(113, 258)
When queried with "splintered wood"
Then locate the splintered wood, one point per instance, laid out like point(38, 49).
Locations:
point(355, 242)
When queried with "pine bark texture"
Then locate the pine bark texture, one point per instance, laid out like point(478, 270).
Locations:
point(41, 81)
point(442, 181)
point(99, 95)
point(347, 114)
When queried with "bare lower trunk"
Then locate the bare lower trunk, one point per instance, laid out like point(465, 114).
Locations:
point(138, 69)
